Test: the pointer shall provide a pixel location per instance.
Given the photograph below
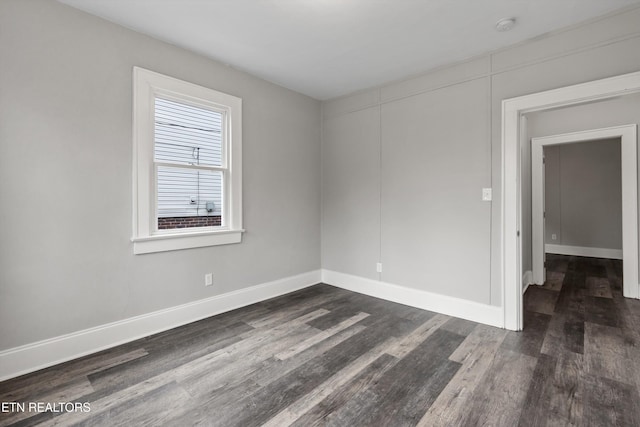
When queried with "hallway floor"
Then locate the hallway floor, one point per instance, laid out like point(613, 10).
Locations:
point(586, 337)
point(330, 357)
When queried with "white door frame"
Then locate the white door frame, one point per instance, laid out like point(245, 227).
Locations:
point(627, 135)
point(512, 111)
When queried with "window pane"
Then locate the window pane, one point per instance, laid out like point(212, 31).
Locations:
point(189, 198)
point(187, 134)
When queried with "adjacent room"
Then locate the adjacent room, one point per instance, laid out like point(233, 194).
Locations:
point(319, 212)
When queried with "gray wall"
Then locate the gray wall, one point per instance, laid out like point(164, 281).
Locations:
point(350, 189)
point(66, 262)
point(439, 144)
point(583, 194)
point(432, 170)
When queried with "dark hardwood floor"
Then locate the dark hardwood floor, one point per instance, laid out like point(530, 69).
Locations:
point(326, 356)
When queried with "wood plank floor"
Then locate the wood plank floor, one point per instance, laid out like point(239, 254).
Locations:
point(326, 356)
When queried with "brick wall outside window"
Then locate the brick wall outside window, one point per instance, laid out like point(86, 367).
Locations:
point(189, 221)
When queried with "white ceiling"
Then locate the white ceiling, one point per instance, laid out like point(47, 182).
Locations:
point(328, 48)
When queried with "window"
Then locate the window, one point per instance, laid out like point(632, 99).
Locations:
point(186, 165)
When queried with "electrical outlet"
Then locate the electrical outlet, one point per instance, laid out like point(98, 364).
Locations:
point(486, 194)
point(554, 237)
point(379, 267)
point(208, 279)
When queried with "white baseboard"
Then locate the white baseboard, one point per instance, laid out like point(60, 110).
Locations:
point(32, 357)
point(465, 309)
point(527, 279)
point(583, 251)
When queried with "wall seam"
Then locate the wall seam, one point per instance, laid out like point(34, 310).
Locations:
point(490, 141)
point(322, 185)
point(490, 73)
point(380, 189)
point(568, 53)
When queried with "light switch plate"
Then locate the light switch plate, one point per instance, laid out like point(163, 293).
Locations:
point(486, 194)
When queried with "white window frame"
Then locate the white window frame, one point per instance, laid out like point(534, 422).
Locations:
point(146, 237)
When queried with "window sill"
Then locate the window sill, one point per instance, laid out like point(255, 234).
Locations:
point(174, 242)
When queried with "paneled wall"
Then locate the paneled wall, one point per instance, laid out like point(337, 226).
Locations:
point(434, 155)
point(439, 145)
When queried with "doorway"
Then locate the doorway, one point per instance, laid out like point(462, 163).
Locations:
point(628, 161)
point(513, 132)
